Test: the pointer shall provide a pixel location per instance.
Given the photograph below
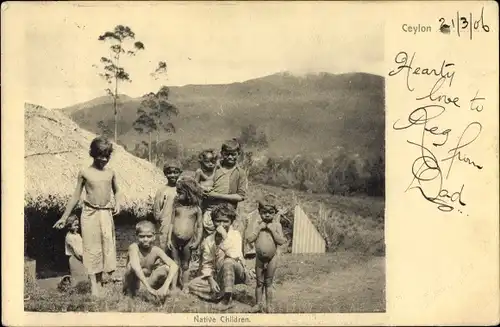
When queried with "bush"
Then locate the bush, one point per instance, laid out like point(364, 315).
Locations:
point(343, 174)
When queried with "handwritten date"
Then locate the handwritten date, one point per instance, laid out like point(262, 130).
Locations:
point(464, 23)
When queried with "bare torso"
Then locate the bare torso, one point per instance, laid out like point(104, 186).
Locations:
point(184, 222)
point(147, 259)
point(206, 179)
point(98, 185)
point(265, 246)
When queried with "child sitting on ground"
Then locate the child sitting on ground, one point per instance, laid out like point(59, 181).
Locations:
point(267, 235)
point(98, 230)
point(143, 264)
point(223, 264)
point(74, 250)
point(185, 231)
point(164, 200)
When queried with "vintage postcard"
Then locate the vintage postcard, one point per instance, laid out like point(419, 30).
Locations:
point(250, 163)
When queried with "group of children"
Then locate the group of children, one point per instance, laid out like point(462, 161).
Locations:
point(194, 215)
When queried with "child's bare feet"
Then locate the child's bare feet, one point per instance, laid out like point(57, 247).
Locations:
point(257, 308)
point(223, 306)
point(269, 308)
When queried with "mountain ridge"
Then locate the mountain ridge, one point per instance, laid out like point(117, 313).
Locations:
point(343, 109)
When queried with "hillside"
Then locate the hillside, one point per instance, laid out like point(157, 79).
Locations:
point(300, 114)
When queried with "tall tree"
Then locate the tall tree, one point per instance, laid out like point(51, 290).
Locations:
point(156, 111)
point(120, 38)
point(144, 124)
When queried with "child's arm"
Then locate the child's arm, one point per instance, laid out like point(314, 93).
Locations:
point(242, 185)
point(72, 202)
point(116, 191)
point(226, 197)
point(197, 175)
point(169, 236)
point(171, 228)
point(241, 191)
point(199, 229)
point(173, 268)
point(158, 204)
point(135, 264)
point(277, 232)
point(255, 233)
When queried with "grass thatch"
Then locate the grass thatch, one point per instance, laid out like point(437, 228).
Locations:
point(56, 149)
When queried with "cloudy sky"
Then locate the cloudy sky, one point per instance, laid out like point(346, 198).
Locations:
point(201, 43)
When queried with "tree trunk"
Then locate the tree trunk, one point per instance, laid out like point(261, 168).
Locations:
point(115, 98)
point(115, 102)
point(156, 147)
point(149, 147)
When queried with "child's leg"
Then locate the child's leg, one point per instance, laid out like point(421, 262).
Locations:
point(268, 282)
point(158, 277)
point(259, 276)
point(185, 257)
point(232, 273)
point(131, 283)
point(176, 258)
point(94, 285)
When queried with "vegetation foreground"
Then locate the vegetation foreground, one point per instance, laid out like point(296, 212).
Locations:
point(335, 282)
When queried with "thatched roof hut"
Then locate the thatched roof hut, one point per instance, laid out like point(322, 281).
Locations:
point(56, 149)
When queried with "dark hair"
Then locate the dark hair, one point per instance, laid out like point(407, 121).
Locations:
point(172, 164)
point(144, 224)
point(231, 145)
point(192, 189)
point(100, 146)
point(204, 153)
point(70, 220)
point(224, 209)
point(268, 200)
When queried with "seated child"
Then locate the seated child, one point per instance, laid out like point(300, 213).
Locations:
point(186, 229)
point(267, 236)
point(74, 250)
point(164, 199)
point(222, 260)
point(143, 264)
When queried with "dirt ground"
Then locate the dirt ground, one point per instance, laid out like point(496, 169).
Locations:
point(329, 283)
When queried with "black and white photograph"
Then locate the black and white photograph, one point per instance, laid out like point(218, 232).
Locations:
point(204, 157)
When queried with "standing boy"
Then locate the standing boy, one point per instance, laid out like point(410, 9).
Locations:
point(98, 230)
point(267, 235)
point(164, 200)
point(230, 182)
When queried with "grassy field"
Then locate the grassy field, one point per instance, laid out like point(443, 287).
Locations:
point(332, 283)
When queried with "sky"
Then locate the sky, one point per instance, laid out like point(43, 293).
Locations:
point(202, 43)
